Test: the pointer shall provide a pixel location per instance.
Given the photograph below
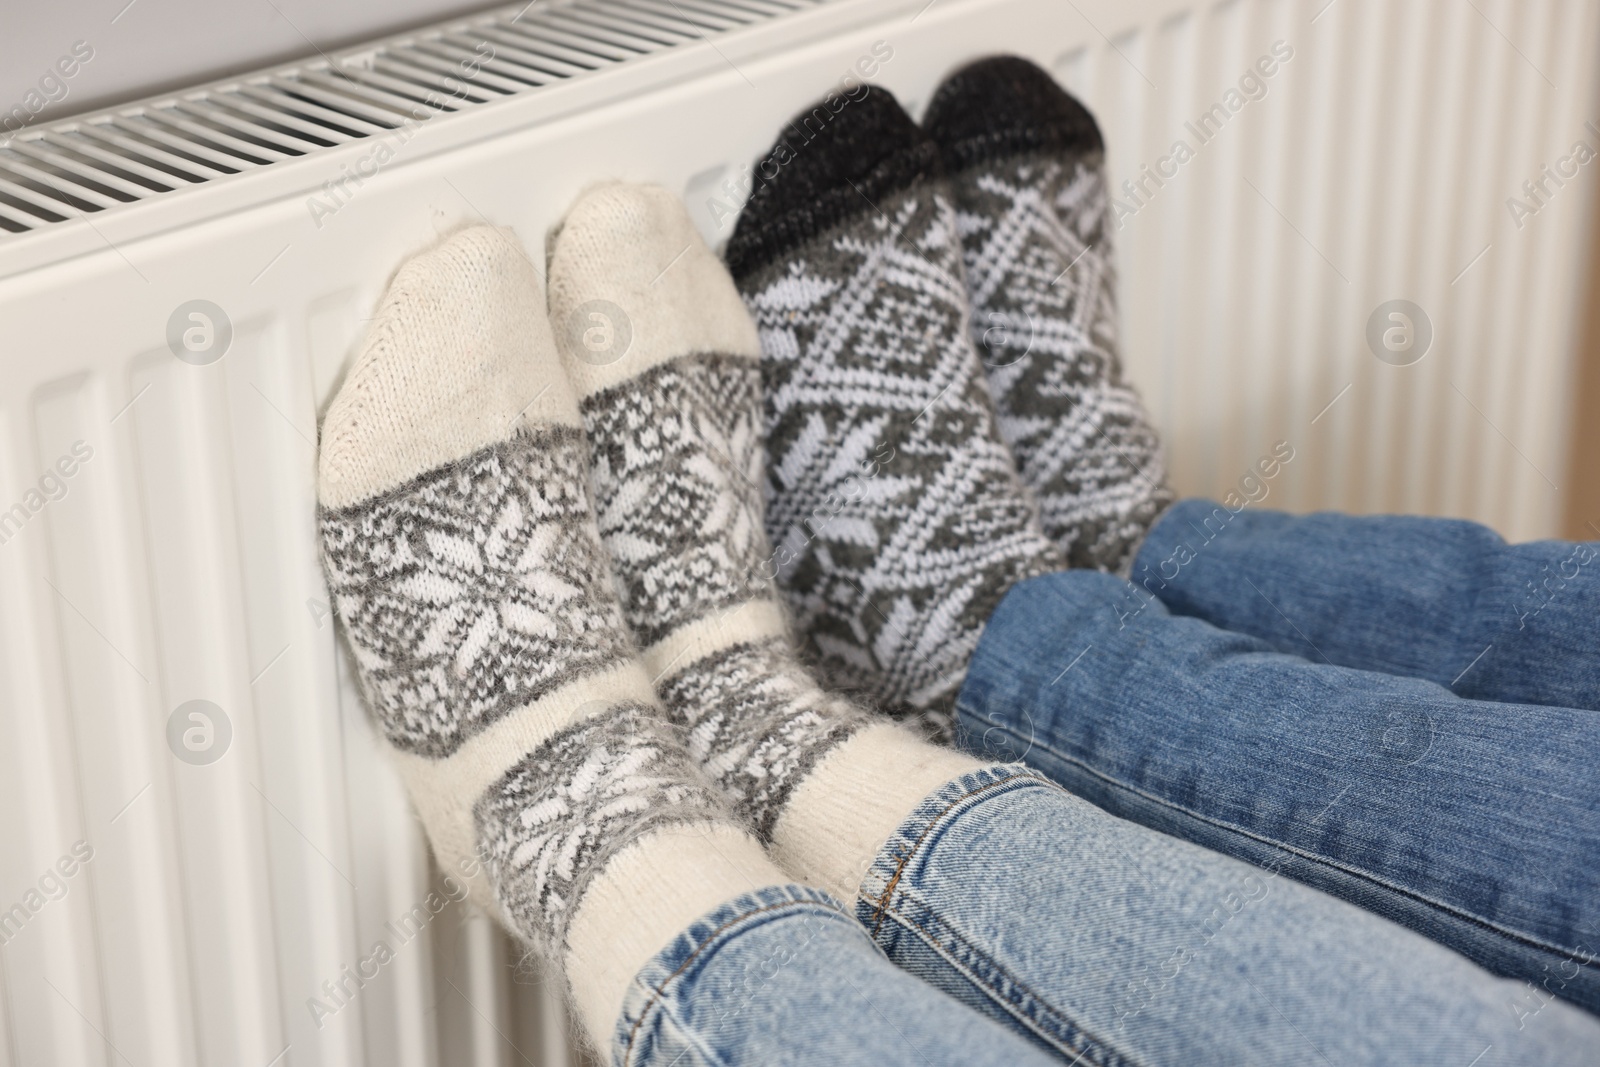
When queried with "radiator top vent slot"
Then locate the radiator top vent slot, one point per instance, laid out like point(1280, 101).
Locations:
point(78, 167)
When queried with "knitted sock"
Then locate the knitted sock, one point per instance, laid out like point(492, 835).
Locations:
point(1026, 167)
point(461, 552)
point(893, 504)
point(673, 417)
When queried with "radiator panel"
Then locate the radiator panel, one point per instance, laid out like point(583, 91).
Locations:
point(228, 906)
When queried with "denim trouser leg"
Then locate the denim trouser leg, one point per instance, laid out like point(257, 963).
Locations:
point(783, 976)
point(1112, 944)
point(1439, 599)
point(1475, 823)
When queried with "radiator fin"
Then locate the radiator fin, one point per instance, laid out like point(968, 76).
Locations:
point(80, 167)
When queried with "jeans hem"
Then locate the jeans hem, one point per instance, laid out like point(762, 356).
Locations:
point(887, 893)
point(1032, 1013)
point(922, 826)
point(1124, 570)
point(649, 992)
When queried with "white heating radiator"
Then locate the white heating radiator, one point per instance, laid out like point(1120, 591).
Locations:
point(165, 911)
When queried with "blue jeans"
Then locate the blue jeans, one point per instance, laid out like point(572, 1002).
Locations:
point(1044, 930)
point(784, 976)
point(1439, 599)
point(1475, 822)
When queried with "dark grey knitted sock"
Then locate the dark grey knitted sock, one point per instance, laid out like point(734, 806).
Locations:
point(1026, 169)
point(893, 504)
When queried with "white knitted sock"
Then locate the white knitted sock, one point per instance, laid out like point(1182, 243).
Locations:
point(666, 363)
point(460, 546)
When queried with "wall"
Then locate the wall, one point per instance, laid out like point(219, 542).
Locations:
point(154, 46)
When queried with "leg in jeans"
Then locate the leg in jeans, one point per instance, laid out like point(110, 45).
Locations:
point(899, 525)
point(784, 976)
point(1471, 822)
point(1439, 599)
point(1113, 944)
point(1080, 934)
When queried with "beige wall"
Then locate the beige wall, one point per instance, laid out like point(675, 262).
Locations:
point(1583, 489)
point(152, 46)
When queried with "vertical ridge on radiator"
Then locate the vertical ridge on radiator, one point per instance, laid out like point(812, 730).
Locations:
point(111, 677)
point(52, 938)
point(287, 633)
point(223, 816)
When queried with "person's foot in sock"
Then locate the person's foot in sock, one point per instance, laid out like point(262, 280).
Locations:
point(463, 560)
point(666, 363)
point(1026, 167)
point(894, 506)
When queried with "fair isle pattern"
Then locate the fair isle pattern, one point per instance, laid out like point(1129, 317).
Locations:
point(474, 589)
point(553, 821)
point(1036, 234)
point(756, 724)
point(677, 462)
point(893, 507)
point(678, 465)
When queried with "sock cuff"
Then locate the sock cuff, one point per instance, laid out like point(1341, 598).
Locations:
point(838, 819)
point(830, 164)
point(1006, 106)
point(645, 896)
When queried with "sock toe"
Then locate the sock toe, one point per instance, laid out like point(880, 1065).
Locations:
point(633, 285)
point(673, 417)
point(1004, 106)
point(827, 166)
point(459, 352)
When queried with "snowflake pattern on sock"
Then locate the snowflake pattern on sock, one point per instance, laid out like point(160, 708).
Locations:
point(474, 589)
point(756, 723)
point(677, 465)
point(678, 469)
point(1036, 236)
point(893, 506)
point(554, 820)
